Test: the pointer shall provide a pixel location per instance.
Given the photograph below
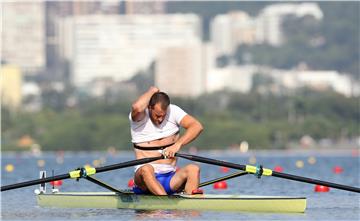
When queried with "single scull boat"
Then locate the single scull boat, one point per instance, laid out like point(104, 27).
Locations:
point(275, 204)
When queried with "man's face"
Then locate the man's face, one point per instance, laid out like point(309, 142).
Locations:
point(157, 114)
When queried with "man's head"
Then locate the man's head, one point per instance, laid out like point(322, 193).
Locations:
point(158, 105)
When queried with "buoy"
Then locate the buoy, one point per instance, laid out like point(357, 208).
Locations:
point(244, 147)
point(224, 169)
point(320, 188)
point(311, 160)
point(9, 168)
point(299, 164)
point(131, 183)
point(252, 160)
point(278, 169)
point(111, 150)
point(41, 163)
point(96, 163)
point(220, 185)
point(56, 183)
point(87, 166)
point(337, 169)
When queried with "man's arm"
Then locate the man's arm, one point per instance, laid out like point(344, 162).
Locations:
point(139, 106)
point(193, 129)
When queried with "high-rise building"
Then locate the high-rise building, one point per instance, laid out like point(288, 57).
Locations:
point(144, 7)
point(55, 12)
point(23, 35)
point(179, 70)
point(269, 21)
point(234, 78)
point(10, 85)
point(230, 30)
point(119, 46)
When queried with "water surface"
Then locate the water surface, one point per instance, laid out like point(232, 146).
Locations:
point(21, 204)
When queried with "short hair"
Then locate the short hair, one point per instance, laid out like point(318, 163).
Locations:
point(160, 97)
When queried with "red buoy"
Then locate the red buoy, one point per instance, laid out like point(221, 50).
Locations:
point(224, 169)
point(56, 183)
point(131, 183)
point(220, 185)
point(337, 169)
point(319, 188)
point(278, 169)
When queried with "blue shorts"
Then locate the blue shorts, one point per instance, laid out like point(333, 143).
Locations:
point(164, 180)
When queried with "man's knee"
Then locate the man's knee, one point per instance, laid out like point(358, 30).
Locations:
point(146, 170)
point(193, 168)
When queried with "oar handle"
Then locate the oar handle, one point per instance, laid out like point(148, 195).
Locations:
point(128, 164)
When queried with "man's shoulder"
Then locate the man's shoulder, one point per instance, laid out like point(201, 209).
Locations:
point(177, 111)
point(175, 107)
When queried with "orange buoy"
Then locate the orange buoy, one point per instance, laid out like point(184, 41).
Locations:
point(220, 185)
point(278, 168)
point(56, 183)
point(320, 188)
point(131, 183)
point(224, 169)
point(337, 169)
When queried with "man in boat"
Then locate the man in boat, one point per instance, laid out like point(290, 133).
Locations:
point(155, 125)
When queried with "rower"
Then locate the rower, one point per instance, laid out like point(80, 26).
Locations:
point(155, 126)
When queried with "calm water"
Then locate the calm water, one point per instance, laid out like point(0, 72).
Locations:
point(21, 204)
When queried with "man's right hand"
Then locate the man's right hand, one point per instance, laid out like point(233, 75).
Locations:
point(139, 106)
point(154, 89)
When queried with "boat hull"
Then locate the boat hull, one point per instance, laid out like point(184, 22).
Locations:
point(214, 202)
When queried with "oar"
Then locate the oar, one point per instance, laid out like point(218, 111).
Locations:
point(230, 176)
point(81, 173)
point(259, 171)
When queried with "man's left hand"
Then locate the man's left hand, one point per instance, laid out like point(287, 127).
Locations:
point(169, 152)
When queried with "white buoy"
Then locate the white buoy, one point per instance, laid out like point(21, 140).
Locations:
point(244, 147)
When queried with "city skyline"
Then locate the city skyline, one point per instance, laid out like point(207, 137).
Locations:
point(79, 43)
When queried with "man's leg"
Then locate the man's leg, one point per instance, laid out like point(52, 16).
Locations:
point(145, 179)
point(187, 177)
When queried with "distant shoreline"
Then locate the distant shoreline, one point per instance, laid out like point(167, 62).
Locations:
point(354, 152)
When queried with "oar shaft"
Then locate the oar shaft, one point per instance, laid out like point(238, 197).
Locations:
point(211, 161)
point(34, 182)
point(271, 173)
point(233, 175)
point(67, 175)
point(315, 181)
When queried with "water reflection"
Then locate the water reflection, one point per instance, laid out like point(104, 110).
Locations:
point(166, 214)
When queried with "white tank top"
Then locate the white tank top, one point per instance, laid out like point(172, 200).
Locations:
point(145, 130)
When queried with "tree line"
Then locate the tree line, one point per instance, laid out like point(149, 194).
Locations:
point(263, 120)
